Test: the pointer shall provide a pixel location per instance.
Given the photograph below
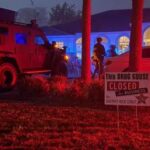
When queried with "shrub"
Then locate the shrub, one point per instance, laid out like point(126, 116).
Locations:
point(58, 85)
point(80, 92)
point(94, 91)
point(74, 91)
point(33, 87)
point(59, 88)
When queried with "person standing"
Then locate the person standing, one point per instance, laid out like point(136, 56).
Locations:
point(55, 58)
point(98, 53)
point(112, 50)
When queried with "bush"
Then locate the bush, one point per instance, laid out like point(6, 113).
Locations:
point(75, 91)
point(33, 87)
point(59, 88)
point(94, 91)
point(58, 85)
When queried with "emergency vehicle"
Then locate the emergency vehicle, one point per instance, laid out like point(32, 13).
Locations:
point(25, 50)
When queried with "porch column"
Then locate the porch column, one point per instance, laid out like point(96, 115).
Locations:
point(86, 31)
point(136, 36)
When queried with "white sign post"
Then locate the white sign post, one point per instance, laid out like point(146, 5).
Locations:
point(127, 89)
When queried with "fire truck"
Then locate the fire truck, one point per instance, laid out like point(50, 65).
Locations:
point(25, 50)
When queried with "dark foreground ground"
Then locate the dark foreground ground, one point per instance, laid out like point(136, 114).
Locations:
point(26, 124)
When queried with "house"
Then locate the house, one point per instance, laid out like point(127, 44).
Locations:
point(113, 26)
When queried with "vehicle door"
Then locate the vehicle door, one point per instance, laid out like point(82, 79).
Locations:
point(22, 48)
point(5, 39)
point(41, 51)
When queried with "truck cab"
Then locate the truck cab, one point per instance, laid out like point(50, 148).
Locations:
point(24, 49)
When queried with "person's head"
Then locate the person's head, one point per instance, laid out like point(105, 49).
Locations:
point(99, 40)
point(112, 50)
point(113, 47)
point(54, 44)
point(64, 47)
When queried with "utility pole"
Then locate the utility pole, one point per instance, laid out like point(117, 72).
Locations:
point(86, 31)
point(136, 36)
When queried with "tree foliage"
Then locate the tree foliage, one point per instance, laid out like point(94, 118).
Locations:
point(63, 13)
point(25, 15)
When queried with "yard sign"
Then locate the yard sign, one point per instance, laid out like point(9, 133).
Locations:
point(127, 88)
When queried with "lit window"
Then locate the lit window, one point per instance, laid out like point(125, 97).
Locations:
point(79, 47)
point(123, 44)
point(39, 40)
point(79, 41)
point(60, 44)
point(146, 39)
point(21, 38)
point(104, 40)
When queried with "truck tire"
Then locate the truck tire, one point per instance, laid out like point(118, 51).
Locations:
point(8, 76)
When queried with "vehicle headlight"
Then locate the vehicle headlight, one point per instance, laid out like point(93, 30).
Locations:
point(66, 57)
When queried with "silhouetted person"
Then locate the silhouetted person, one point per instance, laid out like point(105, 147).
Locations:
point(64, 49)
point(112, 50)
point(53, 45)
point(58, 62)
point(98, 57)
point(55, 58)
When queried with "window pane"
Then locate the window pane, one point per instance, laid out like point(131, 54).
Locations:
point(60, 44)
point(123, 44)
point(104, 40)
point(39, 40)
point(21, 38)
point(147, 37)
point(79, 47)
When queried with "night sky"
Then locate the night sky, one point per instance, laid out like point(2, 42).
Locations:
point(97, 5)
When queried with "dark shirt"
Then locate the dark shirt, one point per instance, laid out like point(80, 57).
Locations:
point(99, 50)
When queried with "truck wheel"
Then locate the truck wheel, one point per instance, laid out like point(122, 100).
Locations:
point(8, 76)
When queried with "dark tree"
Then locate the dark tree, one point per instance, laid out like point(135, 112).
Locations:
point(63, 13)
point(25, 15)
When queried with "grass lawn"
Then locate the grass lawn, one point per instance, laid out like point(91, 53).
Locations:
point(25, 125)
